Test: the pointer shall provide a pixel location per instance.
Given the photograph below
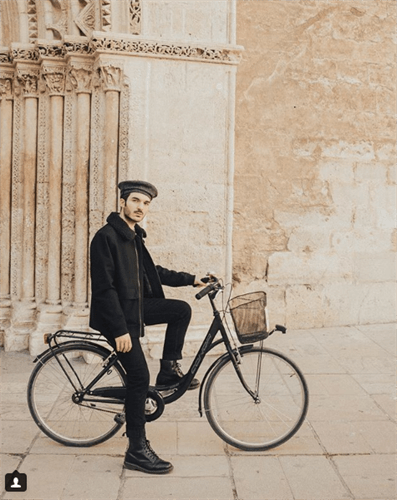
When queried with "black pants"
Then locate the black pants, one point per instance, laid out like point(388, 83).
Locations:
point(176, 314)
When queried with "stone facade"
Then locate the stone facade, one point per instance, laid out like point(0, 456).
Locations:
point(315, 186)
point(97, 92)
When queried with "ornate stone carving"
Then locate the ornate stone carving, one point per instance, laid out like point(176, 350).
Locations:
point(86, 21)
point(59, 26)
point(111, 77)
point(125, 100)
point(24, 54)
point(5, 56)
point(151, 48)
point(6, 79)
point(32, 20)
point(135, 17)
point(54, 77)
point(106, 20)
point(51, 50)
point(81, 78)
point(27, 82)
point(71, 47)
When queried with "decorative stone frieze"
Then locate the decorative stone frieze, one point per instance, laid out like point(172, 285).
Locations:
point(77, 47)
point(135, 16)
point(29, 54)
point(5, 56)
point(47, 50)
point(150, 48)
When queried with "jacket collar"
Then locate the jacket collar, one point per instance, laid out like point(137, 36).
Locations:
point(122, 228)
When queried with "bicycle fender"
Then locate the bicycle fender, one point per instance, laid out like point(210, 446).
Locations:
point(241, 349)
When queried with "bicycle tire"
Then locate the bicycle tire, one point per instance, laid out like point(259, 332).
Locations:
point(256, 426)
point(50, 394)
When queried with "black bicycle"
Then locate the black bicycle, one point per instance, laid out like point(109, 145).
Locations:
point(254, 398)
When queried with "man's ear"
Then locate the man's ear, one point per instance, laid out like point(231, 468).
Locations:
point(122, 202)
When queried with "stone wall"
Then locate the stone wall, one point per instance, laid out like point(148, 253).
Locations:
point(315, 187)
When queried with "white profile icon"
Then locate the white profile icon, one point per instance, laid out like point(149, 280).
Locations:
point(16, 483)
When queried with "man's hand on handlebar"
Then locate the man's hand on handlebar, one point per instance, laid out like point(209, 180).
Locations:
point(199, 282)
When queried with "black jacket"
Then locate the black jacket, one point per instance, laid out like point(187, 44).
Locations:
point(122, 274)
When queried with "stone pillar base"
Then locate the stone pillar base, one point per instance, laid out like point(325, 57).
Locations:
point(5, 316)
point(76, 317)
point(49, 321)
point(23, 321)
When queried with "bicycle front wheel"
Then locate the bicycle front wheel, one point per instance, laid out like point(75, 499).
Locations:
point(53, 395)
point(267, 418)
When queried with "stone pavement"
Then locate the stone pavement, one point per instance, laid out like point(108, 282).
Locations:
point(345, 449)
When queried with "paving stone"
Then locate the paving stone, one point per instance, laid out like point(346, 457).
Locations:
point(198, 439)
point(342, 437)
point(47, 476)
point(96, 477)
point(327, 408)
point(114, 446)
point(177, 488)
point(388, 403)
point(376, 383)
point(16, 436)
point(313, 478)
point(259, 478)
point(369, 476)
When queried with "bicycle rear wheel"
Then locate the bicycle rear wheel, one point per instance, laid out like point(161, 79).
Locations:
point(52, 390)
point(265, 422)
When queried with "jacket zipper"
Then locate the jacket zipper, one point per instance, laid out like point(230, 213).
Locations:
point(139, 290)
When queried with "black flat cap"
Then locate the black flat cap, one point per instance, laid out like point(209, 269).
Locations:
point(127, 187)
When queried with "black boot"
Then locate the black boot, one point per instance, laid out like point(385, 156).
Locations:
point(140, 456)
point(171, 373)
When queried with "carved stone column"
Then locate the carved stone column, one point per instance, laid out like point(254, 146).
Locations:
point(53, 83)
point(112, 75)
point(23, 193)
point(6, 96)
point(80, 73)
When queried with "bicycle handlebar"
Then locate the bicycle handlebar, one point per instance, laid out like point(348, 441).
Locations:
point(205, 291)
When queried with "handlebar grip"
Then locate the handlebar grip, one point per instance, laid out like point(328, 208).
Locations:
point(203, 292)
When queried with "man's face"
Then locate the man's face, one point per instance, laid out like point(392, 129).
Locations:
point(136, 207)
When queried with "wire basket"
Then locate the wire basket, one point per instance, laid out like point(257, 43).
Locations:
point(249, 316)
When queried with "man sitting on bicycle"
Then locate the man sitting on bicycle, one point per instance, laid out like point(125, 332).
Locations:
point(126, 295)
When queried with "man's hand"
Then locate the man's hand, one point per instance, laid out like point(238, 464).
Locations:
point(198, 282)
point(123, 343)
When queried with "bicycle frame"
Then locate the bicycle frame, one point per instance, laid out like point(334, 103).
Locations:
point(171, 393)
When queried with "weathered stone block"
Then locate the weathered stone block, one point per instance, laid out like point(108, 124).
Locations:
point(375, 267)
point(309, 240)
point(308, 267)
point(361, 240)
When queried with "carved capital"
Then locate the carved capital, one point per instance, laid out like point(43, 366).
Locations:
point(6, 79)
point(112, 76)
point(54, 77)
point(27, 80)
point(80, 77)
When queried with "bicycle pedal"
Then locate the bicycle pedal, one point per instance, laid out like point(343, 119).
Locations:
point(120, 418)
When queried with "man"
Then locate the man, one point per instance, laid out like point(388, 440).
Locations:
point(126, 295)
